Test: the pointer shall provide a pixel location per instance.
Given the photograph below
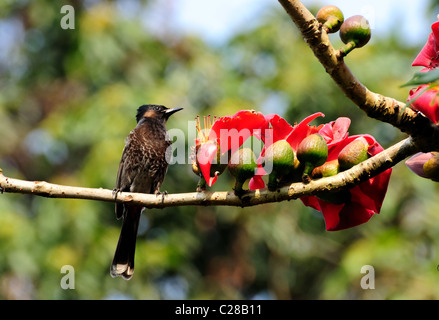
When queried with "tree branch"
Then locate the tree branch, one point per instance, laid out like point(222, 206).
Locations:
point(347, 179)
point(376, 106)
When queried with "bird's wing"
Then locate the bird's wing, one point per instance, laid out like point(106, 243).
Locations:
point(130, 163)
point(119, 206)
point(119, 172)
point(128, 169)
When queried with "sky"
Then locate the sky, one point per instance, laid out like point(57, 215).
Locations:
point(215, 21)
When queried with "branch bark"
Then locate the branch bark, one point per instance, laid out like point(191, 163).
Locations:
point(375, 105)
point(362, 172)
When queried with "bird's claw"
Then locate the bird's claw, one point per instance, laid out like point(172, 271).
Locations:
point(163, 194)
point(115, 192)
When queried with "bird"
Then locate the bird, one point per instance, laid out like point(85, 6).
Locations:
point(142, 168)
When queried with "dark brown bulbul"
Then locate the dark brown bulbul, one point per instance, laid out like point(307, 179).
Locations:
point(142, 169)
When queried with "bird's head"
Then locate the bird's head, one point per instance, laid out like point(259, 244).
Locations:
point(155, 111)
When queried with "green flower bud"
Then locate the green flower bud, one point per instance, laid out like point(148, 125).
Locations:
point(331, 168)
point(242, 166)
point(328, 169)
point(312, 152)
point(279, 157)
point(331, 17)
point(355, 33)
point(353, 154)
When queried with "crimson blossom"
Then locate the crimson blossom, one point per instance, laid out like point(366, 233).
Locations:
point(229, 133)
point(366, 198)
point(226, 135)
point(429, 55)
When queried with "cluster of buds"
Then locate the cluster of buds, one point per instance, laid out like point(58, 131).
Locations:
point(354, 31)
point(291, 154)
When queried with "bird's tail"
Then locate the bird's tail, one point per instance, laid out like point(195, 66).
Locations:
point(123, 262)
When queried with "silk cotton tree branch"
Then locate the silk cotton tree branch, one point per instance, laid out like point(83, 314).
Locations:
point(349, 178)
point(375, 105)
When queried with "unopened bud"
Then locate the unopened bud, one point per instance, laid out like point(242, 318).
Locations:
point(355, 33)
point(331, 17)
point(353, 154)
point(281, 155)
point(312, 152)
point(242, 166)
point(330, 168)
point(431, 167)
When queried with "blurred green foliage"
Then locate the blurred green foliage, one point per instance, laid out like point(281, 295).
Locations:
point(68, 100)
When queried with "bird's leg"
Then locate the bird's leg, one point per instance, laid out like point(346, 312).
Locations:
point(163, 194)
point(115, 192)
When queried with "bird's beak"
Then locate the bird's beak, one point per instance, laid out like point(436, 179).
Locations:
point(171, 111)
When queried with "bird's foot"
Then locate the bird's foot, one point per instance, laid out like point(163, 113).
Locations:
point(115, 192)
point(163, 194)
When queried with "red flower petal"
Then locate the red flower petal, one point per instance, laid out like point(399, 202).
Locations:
point(311, 201)
point(429, 55)
point(335, 131)
point(302, 130)
point(231, 131)
point(256, 182)
point(339, 217)
point(426, 102)
point(277, 129)
point(205, 155)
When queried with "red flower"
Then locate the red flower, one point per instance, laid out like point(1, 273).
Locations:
point(366, 198)
point(429, 55)
point(426, 100)
point(281, 130)
point(228, 133)
point(425, 97)
point(335, 131)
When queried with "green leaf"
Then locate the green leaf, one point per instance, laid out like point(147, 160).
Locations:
point(420, 78)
